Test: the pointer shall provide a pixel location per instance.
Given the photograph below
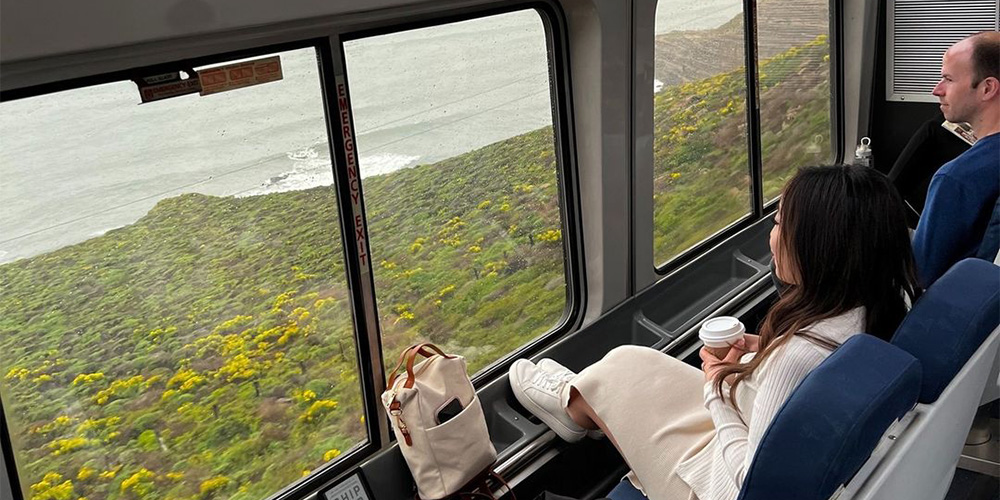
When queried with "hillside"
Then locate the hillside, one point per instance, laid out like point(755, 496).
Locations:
point(685, 56)
point(701, 179)
point(206, 350)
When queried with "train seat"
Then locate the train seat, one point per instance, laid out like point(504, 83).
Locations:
point(869, 444)
point(953, 330)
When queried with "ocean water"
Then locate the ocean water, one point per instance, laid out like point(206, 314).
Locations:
point(76, 164)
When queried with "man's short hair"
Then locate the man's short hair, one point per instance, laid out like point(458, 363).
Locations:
point(985, 56)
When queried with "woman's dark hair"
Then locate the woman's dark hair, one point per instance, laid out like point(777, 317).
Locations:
point(843, 231)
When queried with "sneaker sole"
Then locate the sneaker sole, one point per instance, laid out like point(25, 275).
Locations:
point(547, 418)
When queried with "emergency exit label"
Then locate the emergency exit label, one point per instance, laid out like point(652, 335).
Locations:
point(239, 75)
point(351, 489)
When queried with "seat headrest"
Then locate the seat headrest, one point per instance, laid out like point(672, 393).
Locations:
point(831, 423)
point(950, 321)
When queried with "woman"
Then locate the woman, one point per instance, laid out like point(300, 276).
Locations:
point(840, 241)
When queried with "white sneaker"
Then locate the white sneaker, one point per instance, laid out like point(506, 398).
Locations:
point(541, 393)
point(552, 366)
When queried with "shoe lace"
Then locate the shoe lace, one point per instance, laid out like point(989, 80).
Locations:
point(548, 381)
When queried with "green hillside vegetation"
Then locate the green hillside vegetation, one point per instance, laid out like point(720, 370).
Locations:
point(206, 351)
point(701, 179)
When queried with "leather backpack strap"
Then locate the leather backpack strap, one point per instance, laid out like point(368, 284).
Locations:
point(399, 364)
point(395, 409)
point(426, 350)
point(502, 481)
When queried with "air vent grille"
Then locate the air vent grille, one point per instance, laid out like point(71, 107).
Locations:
point(920, 31)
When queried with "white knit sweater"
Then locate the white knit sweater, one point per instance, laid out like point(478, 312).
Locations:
point(716, 472)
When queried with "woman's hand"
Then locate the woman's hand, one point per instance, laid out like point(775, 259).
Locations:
point(711, 364)
point(752, 342)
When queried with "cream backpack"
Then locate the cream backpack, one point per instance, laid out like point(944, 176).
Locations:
point(438, 421)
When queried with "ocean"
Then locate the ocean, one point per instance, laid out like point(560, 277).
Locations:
point(78, 163)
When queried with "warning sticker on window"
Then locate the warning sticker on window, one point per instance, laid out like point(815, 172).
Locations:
point(239, 75)
point(351, 489)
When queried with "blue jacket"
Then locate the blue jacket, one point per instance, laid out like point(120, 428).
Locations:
point(960, 202)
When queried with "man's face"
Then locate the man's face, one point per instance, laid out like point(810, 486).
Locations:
point(959, 101)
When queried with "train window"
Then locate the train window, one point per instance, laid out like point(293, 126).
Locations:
point(174, 314)
point(462, 195)
point(701, 180)
point(794, 73)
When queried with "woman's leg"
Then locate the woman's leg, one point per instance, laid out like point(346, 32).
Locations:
point(652, 409)
point(648, 404)
point(583, 414)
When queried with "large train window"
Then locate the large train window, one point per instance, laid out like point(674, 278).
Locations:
point(701, 180)
point(174, 312)
point(793, 61)
point(462, 193)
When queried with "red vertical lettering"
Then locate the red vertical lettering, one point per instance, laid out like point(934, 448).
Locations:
point(359, 236)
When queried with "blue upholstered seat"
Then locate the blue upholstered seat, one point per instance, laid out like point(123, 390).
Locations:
point(950, 321)
point(832, 422)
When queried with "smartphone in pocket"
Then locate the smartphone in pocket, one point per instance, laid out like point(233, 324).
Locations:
point(449, 410)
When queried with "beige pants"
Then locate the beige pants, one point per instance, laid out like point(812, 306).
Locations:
point(653, 406)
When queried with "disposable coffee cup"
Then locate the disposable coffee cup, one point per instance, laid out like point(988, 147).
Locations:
point(719, 334)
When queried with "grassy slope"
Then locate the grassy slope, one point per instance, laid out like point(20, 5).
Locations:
point(701, 177)
point(209, 319)
point(220, 327)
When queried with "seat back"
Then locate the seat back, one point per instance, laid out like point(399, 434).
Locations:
point(953, 331)
point(950, 322)
point(831, 423)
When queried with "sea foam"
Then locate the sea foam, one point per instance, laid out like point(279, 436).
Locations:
point(383, 163)
point(309, 169)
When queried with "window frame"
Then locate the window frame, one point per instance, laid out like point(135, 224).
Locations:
point(327, 41)
point(369, 393)
point(553, 22)
point(761, 208)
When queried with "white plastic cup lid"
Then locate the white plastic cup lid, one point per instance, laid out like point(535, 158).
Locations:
point(722, 331)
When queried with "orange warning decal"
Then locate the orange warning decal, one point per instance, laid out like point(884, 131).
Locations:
point(239, 75)
point(165, 90)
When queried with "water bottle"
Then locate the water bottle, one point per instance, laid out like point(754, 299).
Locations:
point(863, 153)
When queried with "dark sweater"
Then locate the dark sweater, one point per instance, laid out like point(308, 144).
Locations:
point(959, 204)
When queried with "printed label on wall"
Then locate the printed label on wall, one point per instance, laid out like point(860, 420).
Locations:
point(351, 489)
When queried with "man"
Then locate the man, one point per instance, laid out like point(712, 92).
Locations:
point(964, 191)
